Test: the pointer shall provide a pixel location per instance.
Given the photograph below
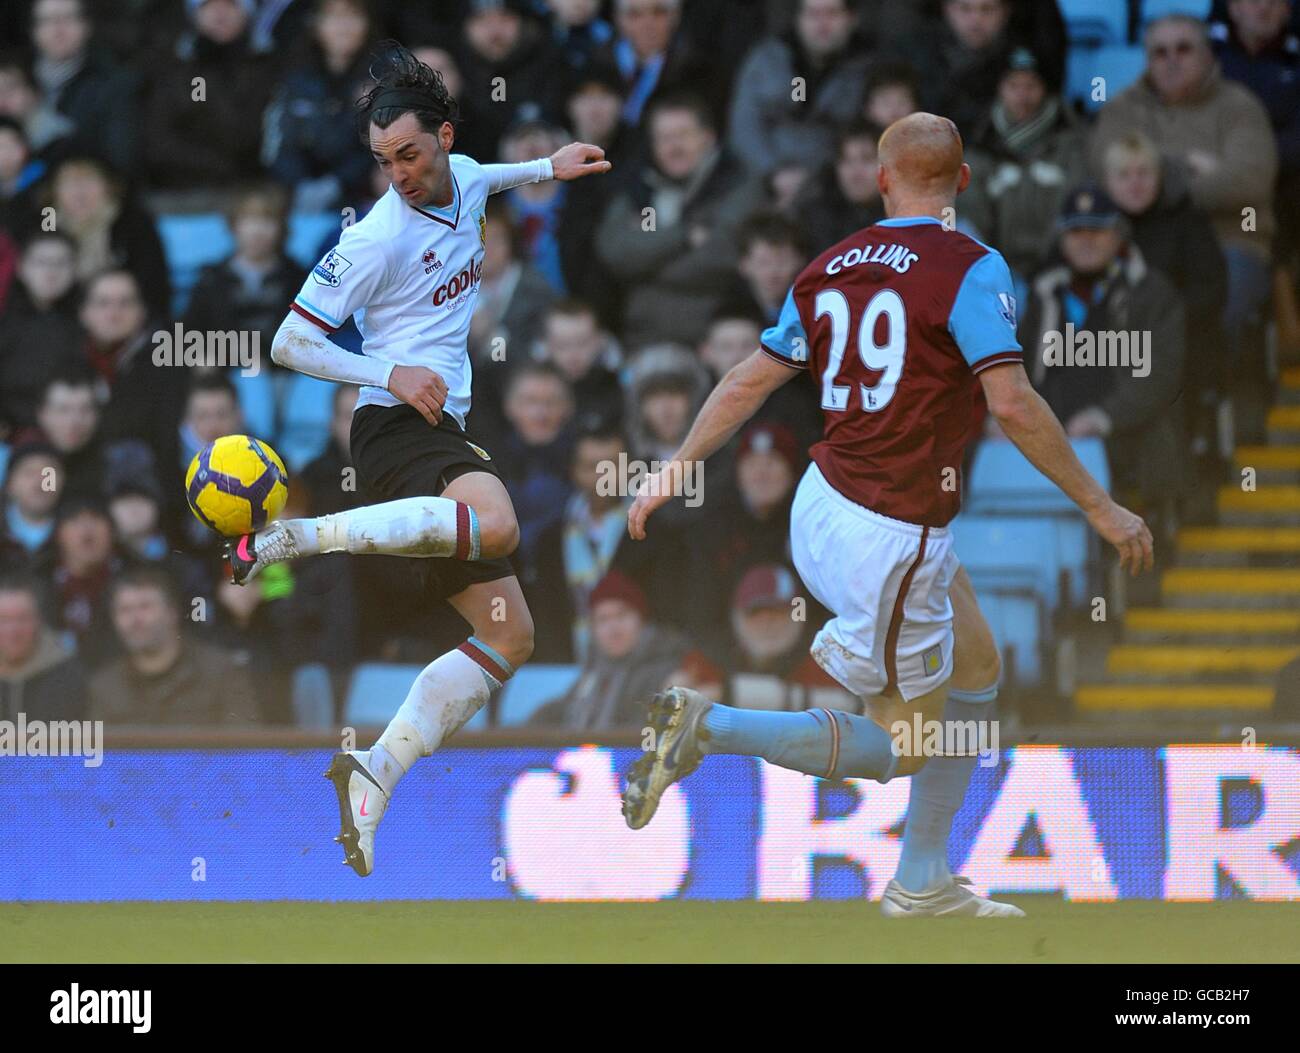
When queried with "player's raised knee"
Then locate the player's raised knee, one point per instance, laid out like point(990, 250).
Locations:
point(498, 534)
point(512, 639)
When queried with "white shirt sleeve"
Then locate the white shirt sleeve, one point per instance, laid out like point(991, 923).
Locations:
point(348, 279)
point(503, 177)
point(300, 345)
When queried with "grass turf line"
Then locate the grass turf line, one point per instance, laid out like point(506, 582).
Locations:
point(441, 931)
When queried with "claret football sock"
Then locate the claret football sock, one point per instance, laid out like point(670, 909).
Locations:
point(446, 694)
point(937, 792)
point(412, 526)
point(822, 742)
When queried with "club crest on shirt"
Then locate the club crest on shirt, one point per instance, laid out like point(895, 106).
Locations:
point(479, 450)
point(330, 270)
point(1007, 308)
point(481, 218)
point(932, 660)
point(430, 261)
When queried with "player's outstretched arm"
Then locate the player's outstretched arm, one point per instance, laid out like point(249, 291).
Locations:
point(569, 162)
point(736, 398)
point(301, 346)
point(1029, 422)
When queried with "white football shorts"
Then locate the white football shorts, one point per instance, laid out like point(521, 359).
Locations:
point(886, 582)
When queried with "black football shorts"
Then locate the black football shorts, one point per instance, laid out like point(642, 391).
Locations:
point(397, 453)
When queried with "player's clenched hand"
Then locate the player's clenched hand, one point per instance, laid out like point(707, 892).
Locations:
point(1128, 533)
point(655, 492)
point(577, 160)
point(419, 387)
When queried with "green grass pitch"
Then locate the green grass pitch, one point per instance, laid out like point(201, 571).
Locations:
point(440, 931)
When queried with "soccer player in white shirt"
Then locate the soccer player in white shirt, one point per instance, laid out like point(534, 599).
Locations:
point(409, 272)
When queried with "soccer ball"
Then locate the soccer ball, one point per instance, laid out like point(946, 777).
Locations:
point(236, 485)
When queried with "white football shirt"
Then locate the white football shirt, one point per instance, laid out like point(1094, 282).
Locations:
point(410, 276)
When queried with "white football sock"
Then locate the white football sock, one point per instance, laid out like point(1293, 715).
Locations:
point(446, 694)
point(412, 526)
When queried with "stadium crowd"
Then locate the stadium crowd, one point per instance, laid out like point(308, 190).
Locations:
point(749, 129)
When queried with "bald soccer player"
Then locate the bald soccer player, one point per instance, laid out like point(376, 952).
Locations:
point(908, 329)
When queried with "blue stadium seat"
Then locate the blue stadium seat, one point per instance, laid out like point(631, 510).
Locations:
point(1095, 21)
point(1017, 621)
point(1119, 65)
point(306, 405)
point(1003, 482)
point(190, 243)
point(256, 403)
point(307, 231)
point(1153, 9)
point(530, 689)
point(378, 690)
point(1010, 551)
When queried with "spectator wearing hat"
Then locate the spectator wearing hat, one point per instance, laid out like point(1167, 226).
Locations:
point(80, 83)
point(629, 660)
point(503, 46)
point(215, 143)
point(769, 665)
point(164, 678)
point(843, 197)
point(676, 261)
point(1176, 239)
point(1104, 286)
point(1025, 154)
point(771, 124)
point(40, 676)
point(33, 485)
point(591, 538)
point(1219, 135)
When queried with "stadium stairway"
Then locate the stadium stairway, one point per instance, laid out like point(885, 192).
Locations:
point(1229, 614)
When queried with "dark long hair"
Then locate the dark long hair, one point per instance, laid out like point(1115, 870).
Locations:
point(404, 84)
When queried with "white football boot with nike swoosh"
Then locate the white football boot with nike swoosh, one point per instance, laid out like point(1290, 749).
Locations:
point(675, 716)
point(362, 802)
point(953, 900)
